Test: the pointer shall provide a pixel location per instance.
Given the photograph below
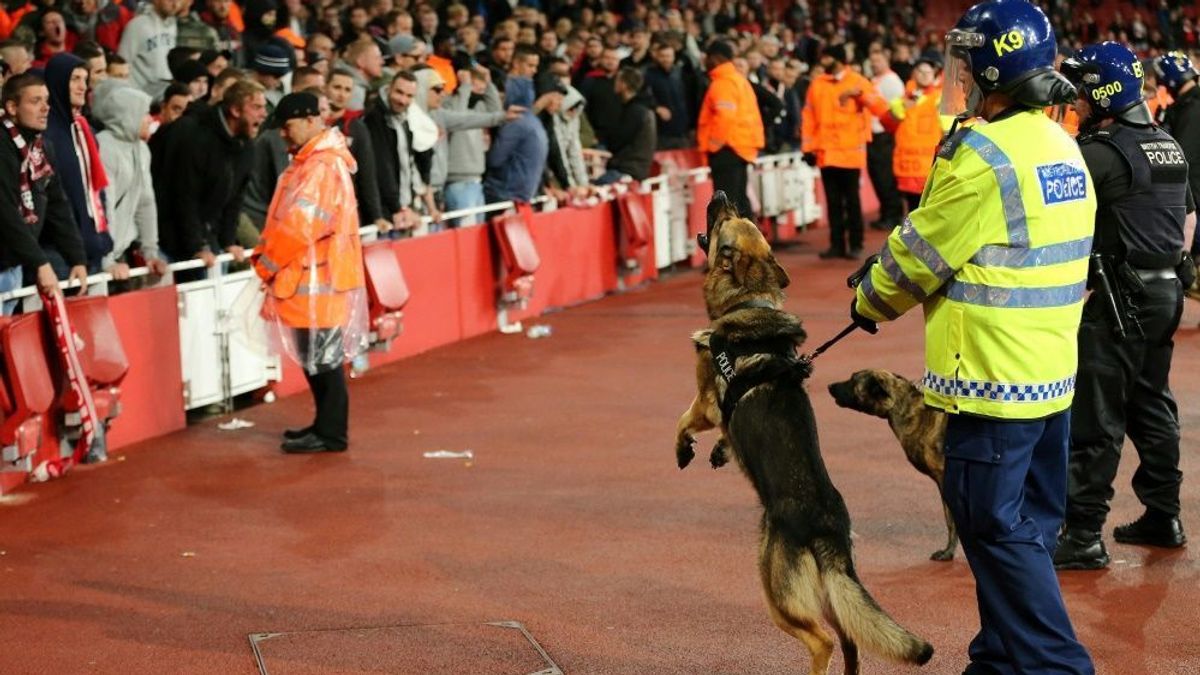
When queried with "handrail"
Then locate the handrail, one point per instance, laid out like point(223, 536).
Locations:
point(196, 263)
point(603, 193)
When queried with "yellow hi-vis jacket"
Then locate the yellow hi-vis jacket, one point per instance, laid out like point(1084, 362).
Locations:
point(997, 254)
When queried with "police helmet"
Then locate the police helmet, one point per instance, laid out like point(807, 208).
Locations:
point(1109, 76)
point(1173, 70)
point(1009, 47)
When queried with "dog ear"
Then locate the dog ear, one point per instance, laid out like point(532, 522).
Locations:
point(876, 390)
point(780, 275)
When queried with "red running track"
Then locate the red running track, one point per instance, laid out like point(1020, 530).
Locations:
point(572, 520)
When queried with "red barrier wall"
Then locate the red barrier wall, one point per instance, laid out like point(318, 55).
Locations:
point(452, 276)
point(151, 394)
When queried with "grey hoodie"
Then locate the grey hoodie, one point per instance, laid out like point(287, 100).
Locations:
point(462, 157)
point(121, 107)
point(144, 44)
point(566, 132)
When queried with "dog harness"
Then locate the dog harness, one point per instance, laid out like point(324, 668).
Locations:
point(725, 353)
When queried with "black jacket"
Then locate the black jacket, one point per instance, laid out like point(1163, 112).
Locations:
point(603, 106)
point(669, 91)
point(387, 162)
point(366, 182)
point(204, 173)
point(633, 140)
point(21, 242)
point(1183, 123)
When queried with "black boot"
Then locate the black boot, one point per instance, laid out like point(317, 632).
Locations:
point(832, 252)
point(1080, 549)
point(1154, 528)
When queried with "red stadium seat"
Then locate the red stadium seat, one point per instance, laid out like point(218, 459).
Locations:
point(28, 390)
point(518, 254)
point(637, 229)
point(101, 353)
point(102, 358)
point(387, 293)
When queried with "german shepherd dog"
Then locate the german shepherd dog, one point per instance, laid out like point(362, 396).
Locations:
point(921, 430)
point(805, 552)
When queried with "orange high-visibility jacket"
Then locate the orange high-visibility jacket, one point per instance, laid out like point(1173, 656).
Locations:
point(917, 138)
point(1066, 117)
point(729, 115)
point(445, 68)
point(9, 20)
point(1160, 101)
point(310, 255)
point(835, 127)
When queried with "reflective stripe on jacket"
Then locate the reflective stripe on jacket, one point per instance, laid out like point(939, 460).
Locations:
point(997, 254)
point(729, 115)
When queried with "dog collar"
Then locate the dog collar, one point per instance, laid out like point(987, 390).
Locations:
point(756, 303)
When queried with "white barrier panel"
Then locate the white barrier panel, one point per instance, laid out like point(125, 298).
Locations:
point(680, 202)
point(216, 366)
point(660, 200)
point(769, 175)
point(810, 210)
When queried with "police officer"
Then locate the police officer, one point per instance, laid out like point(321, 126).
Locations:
point(997, 255)
point(1125, 341)
point(1182, 118)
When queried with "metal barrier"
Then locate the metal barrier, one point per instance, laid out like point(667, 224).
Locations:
point(208, 316)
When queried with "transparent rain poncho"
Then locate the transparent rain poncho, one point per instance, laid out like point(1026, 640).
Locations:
point(310, 259)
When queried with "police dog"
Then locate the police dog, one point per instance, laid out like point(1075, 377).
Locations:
point(920, 430)
point(805, 556)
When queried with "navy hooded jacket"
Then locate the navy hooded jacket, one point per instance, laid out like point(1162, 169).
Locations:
point(62, 155)
point(517, 158)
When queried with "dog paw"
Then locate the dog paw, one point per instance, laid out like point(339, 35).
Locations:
point(684, 454)
point(719, 456)
point(945, 555)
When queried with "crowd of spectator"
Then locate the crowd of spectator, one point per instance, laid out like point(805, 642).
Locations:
point(161, 140)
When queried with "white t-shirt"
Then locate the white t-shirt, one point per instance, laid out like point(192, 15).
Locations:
point(890, 87)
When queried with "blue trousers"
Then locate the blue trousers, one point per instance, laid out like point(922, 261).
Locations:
point(1006, 486)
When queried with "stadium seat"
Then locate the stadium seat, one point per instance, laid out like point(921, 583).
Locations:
point(26, 391)
point(636, 228)
point(101, 356)
point(518, 254)
point(387, 293)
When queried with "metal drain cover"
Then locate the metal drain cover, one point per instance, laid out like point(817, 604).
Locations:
point(495, 648)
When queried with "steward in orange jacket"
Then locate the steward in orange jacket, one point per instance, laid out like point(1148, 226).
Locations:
point(310, 259)
point(730, 129)
point(836, 120)
point(835, 130)
point(919, 131)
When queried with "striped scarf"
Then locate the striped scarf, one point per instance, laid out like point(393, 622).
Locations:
point(34, 167)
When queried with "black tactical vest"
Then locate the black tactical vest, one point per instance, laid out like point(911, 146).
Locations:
point(1145, 227)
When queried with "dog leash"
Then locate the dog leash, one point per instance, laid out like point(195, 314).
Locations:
point(853, 281)
point(812, 356)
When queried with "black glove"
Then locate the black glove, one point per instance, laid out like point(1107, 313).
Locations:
point(855, 279)
point(810, 158)
point(860, 320)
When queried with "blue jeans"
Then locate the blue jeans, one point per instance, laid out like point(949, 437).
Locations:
point(465, 194)
point(1005, 485)
point(10, 280)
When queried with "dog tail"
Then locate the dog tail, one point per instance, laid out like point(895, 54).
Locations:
point(863, 622)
